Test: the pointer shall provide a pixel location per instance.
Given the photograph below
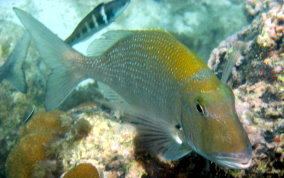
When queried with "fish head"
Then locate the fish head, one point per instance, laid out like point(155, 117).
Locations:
point(212, 128)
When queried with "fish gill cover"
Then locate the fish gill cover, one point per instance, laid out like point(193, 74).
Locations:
point(109, 145)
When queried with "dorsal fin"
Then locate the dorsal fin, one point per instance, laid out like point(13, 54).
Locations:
point(99, 46)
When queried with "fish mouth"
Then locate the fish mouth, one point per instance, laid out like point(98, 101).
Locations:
point(240, 160)
point(234, 164)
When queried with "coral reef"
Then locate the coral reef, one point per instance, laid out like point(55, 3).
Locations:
point(13, 104)
point(253, 8)
point(46, 122)
point(10, 112)
point(60, 143)
point(26, 154)
point(30, 154)
point(108, 144)
point(257, 80)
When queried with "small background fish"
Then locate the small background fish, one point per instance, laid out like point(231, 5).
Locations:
point(101, 16)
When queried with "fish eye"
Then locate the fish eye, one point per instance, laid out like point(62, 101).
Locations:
point(178, 127)
point(200, 109)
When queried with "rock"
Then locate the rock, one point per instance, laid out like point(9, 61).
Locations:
point(256, 80)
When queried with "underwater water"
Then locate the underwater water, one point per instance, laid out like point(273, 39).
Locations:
point(133, 99)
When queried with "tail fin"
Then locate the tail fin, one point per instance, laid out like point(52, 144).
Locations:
point(14, 64)
point(65, 74)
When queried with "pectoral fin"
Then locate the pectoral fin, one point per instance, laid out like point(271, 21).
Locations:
point(158, 138)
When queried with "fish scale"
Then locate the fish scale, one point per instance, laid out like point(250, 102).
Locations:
point(139, 76)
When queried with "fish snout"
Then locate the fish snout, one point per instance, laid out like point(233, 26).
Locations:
point(239, 160)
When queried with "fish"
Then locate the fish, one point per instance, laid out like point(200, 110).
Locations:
point(175, 101)
point(28, 114)
point(12, 69)
point(100, 17)
point(232, 55)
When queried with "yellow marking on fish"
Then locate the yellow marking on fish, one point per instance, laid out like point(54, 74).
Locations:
point(186, 64)
point(181, 63)
point(209, 84)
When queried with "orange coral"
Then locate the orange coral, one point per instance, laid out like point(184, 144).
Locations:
point(31, 148)
point(82, 170)
point(25, 155)
point(45, 122)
